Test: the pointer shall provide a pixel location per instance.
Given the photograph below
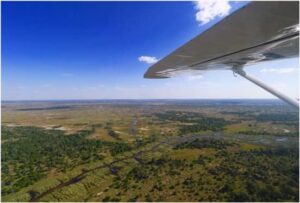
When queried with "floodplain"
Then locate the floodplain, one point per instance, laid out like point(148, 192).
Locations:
point(150, 150)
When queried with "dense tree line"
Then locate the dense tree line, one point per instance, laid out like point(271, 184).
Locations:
point(252, 175)
point(205, 143)
point(275, 117)
point(198, 122)
point(29, 153)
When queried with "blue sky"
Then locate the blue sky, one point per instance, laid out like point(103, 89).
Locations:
point(91, 50)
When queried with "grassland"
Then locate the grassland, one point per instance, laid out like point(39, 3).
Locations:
point(149, 151)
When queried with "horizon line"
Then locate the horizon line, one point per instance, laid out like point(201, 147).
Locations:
point(8, 100)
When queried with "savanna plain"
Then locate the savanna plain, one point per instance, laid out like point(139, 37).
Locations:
point(149, 150)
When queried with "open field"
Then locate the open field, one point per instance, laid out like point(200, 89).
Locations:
point(153, 150)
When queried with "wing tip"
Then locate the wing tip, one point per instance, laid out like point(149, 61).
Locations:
point(151, 76)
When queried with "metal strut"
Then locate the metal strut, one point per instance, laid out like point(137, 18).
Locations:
point(256, 81)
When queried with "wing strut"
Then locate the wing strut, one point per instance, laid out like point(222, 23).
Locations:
point(256, 81)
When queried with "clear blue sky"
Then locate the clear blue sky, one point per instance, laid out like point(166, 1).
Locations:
point(90, 50)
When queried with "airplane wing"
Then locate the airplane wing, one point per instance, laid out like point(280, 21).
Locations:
point(260, 31)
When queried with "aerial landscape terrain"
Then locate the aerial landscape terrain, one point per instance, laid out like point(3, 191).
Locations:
point(149, 150)
point(149, 101)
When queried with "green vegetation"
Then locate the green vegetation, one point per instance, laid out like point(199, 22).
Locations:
point(149, 152)
point(198, 122)
point(118, 148)
point(275, 117)
point(205, 143)
point(29, 153)
point(226, 175)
